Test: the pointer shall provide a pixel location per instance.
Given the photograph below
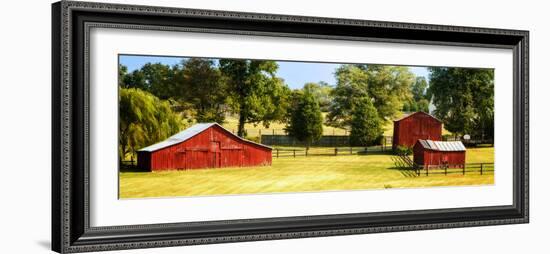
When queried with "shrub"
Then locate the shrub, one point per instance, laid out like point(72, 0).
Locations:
point(403, 150)
point(256, 139)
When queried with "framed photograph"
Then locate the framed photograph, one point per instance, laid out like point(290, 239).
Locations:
point(181, 126)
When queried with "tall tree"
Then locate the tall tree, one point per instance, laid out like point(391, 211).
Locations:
point(351, 86)
point(464, 99)
point(366, 126)
point(155, 78)
point(159, 79)
point(254, 91)
point(418, 89)
point(306, 120)
point(322, 92)
point(143, 120)
point(387, 86)
point(201, 85)
point(420, 100)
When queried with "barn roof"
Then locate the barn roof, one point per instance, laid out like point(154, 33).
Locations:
point(416, 113)
point(189, 133)
point(442, 145)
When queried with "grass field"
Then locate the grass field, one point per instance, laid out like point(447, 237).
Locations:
point(300, 174)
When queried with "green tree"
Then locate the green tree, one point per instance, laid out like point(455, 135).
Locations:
point(155, 78)
point(464, 99)
point(418, 89)
point(254, 92)
point(351, 86)
point(366, 126)
point(201, 86)
point(306, 120)
point(387, 86)
point(143, 120)
point(322, 92)
point(159, 79)
point(423, 105)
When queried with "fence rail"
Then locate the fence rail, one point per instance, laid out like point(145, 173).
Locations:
point(279, 152)
point(468, 168)
point(324, 141)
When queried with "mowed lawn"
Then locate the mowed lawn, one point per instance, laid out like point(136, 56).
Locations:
point(300, 174)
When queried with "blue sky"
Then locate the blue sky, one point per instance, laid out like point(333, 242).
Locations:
point(295, 74)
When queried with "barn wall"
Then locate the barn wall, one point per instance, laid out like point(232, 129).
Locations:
point(430, 158)
point(418, 126)
point(418, 154)
point(212, 148)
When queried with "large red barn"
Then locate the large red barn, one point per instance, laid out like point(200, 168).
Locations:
point(438, 154)
point(419, 125)
point(204, 145)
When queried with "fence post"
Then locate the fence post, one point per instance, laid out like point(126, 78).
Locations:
point(294, 151)
point(481, 169)
point(277, 149)
point(464, 169)
point(336, 151)
point(427, 170)
point(273, 132)
point(384, 143)
point(446, 169)
point(350, 150)
point(307, 150)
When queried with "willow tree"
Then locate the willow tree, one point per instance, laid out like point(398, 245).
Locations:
point(143, 120)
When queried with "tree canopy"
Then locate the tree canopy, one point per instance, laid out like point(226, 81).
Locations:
point(322, 93)
point(387, 86)
point(203, 88)
point(254, 93)
point(366, 126)
point(464, 99)
point(420, 100)
point(306, 120)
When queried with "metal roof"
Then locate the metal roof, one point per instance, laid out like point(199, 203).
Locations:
point(415, 113)
point(442, 145)
point(189, 133)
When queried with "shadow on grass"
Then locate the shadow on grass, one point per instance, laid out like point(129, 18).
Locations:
point(125, 168)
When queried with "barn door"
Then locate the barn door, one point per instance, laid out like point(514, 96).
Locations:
point(215, 154)
point(179, 162)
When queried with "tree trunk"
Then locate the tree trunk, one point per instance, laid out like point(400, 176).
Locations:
point(241, 132)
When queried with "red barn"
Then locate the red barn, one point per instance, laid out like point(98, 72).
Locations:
point(419, 125)
point(204, 145)
point(436, 154)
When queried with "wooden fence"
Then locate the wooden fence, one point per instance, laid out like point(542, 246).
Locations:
point(405, 163)
point(279, 152)
point(324, 141)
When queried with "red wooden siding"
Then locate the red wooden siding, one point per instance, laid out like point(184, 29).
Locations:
point(214, 147)
point(427, 158)
point(419, 125)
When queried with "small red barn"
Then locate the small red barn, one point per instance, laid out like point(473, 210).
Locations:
point(204, 145)
point(437, 154)
point(419, 125)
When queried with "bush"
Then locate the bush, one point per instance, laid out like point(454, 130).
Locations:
point(254, 139)
point(403, 150)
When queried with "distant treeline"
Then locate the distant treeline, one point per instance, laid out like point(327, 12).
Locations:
point(158, 100)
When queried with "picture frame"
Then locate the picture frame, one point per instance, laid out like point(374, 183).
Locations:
point(71, 229)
